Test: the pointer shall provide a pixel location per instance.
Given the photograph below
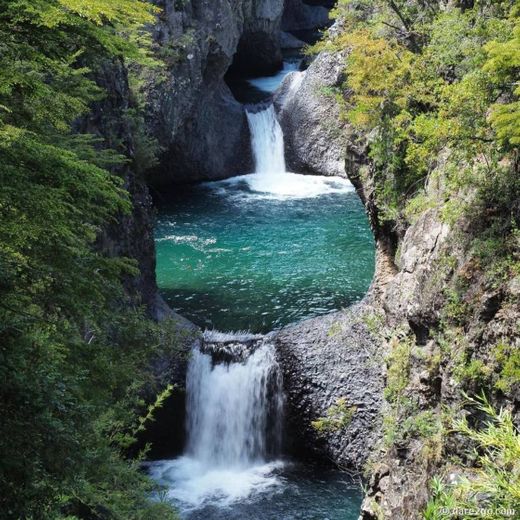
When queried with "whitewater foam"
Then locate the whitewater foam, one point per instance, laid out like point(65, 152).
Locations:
point(281, 186)
point(234, 413)
point(194, 484)
point(270, 83)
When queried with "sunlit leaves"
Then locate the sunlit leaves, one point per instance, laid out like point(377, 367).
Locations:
point(504, 63)
point(73, 346)
point(376, 70)
point(428, 83)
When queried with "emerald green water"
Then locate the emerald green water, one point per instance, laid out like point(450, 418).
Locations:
point(238, 255)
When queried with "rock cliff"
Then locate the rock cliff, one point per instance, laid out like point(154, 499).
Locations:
point(200, 126)
point(435, 348)
point(300, 16)
point(326, 361)
point(315, 136)
point(132, 235)
point(437, 326)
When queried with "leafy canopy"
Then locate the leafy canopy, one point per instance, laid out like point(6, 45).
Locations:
point(426, 82)
point(73, 348)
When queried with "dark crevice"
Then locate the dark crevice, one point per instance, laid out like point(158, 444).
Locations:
point(421, 332)
point(258, 54)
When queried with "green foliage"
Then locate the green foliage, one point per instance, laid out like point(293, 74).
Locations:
point(374, 322)
point(338, 416)
point(73, 347)
point(404, 421)
point(495, 484)
point(508, 359)
point(475, 370)
point(456, 308)
point(423, 81)
point(503, 62)
point(398, 371)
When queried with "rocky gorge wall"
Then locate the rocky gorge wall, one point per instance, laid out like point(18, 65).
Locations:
point(200, 126)
point(201, 130)
point(427, 331)
point(355, 355)
point(313, 133)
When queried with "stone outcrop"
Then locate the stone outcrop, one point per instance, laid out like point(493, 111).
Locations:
point(324, 360)
point(200, 126)
point(131, 235)
point(300, 15)
point(315, 137)
point(413, 298)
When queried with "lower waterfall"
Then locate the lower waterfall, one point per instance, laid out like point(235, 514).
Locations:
point(234, 409)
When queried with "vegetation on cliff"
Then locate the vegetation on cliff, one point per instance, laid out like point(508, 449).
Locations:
point(73, 347)
point(432, 89)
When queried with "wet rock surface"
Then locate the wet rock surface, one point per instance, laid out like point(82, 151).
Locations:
point(325, 359)
point(191, 111)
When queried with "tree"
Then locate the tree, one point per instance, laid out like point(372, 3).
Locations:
point(73, 349)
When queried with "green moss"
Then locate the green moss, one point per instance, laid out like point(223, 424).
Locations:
point(338, 416)
point(508, 358)
point(374, 322)
point(335, 329)
point(176, 50)
point(398, 371)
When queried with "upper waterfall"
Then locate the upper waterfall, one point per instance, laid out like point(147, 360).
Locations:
point(266, 141)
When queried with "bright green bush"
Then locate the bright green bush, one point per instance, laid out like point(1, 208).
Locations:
point(494, 484)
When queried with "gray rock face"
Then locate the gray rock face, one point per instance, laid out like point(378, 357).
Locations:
point(298, 16)
point(288, 41)
point(315, 138)
point(411, 293)
point(325, 359)
point(214, 141)
point(132, 234)
point(430, 260)
point(191, 111)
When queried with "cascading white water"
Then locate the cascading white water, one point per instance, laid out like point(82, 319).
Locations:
point(271, 180)
point(234, 406)
point(266, 141)
point(229, 407)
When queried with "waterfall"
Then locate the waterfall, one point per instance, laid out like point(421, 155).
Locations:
point(266, 141)
point(234, 409)
point(271, 180)
point(234, 405)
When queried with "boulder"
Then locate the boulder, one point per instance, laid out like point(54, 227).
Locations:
point(323, 360)
point(315, 137)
